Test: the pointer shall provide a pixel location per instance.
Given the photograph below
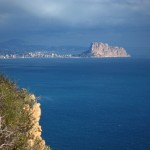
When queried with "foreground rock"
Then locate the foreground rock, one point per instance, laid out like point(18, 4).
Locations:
point(34, 133)
point(98, 49)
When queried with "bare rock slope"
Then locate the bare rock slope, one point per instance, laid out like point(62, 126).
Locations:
point(98, 49)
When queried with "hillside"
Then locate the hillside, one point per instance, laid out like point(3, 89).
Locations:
point(19, 119)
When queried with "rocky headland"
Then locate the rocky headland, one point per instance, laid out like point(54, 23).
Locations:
point(98, 49)
point(19, 119)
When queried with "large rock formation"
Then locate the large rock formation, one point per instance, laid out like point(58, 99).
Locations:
point(98, 49)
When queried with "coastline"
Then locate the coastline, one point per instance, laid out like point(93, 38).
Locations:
point(74, 57)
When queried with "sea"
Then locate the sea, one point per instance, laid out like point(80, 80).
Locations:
point(88, 103)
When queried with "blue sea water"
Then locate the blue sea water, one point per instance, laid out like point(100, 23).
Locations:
point(89, 104)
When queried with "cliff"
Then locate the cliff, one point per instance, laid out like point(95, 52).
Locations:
point(34, 133)
point(19, 119)
point(98, 49)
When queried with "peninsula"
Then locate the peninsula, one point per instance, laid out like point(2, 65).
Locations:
point(98, 49)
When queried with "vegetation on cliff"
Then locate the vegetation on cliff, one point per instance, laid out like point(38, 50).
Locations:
point(19, 119)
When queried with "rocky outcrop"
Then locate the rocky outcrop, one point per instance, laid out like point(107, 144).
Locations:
point(34, 134)
point(98, 49)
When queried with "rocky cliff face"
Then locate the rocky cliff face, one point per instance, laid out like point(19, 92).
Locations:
point(98, 49)
point(34, 134)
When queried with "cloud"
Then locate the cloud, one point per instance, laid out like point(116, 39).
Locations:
point(72, 19)
point(88, 12)
point(77, 12)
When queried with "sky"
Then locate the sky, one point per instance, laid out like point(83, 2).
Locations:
point(76, 22)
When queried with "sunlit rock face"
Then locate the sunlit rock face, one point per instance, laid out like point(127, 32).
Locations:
point(34, 134)
point(98, 49)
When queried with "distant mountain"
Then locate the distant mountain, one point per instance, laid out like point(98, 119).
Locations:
point(67, 49)
point(98, 49)
point(17, 46)
point(14, 43)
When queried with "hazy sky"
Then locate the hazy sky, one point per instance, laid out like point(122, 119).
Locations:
point(76, 22)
